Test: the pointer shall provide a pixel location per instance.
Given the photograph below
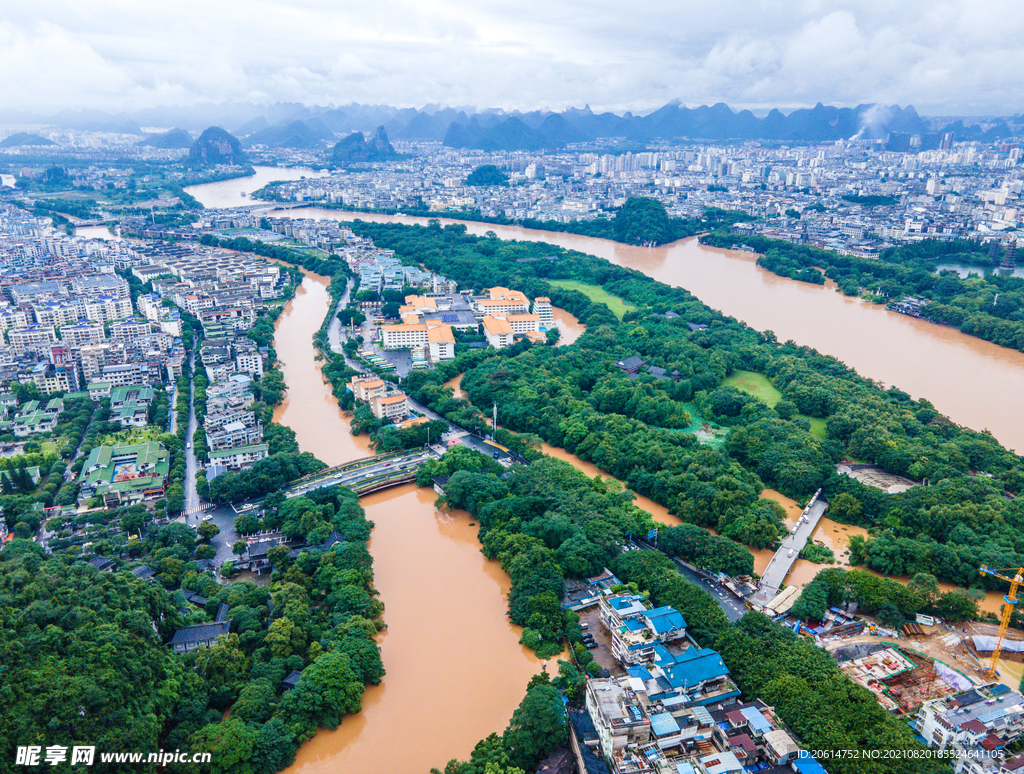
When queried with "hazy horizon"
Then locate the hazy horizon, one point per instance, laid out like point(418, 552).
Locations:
point(946, 58)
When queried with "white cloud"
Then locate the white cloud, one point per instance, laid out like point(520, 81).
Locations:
point(945, 56)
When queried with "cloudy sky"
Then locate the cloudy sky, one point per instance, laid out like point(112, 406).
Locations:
point(943, 56)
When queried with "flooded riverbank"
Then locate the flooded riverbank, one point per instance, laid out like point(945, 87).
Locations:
point(973, 382)
point(455, 669)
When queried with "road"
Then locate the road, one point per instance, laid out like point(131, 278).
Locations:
point(733, 608)
point(334, 329)
point(193, 515)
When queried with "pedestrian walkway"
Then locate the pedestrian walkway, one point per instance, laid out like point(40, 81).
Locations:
point(195, 510)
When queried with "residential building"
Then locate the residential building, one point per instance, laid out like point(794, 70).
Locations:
point(131, 330)
point(33, 419)
point(498, 332)
point(365, 388)
point(543, 309)
point(250, 363)
point(393, 407)
point(241, 458)
point(129, 373)
point(234, 435)
point(977, 725)
point(32, 339)
point(440, 343)
point(619, 717)
point(235, 386)
point(82, 334)
point(502, 301)
point(413, 333)
point(218, 419)
point(418, 305)
point(129, 405)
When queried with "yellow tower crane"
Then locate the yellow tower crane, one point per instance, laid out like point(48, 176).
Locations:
point(1010, 600)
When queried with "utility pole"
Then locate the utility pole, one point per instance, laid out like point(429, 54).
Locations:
point(494, 421)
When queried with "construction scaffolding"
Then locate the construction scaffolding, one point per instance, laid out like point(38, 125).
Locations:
point(902, 680)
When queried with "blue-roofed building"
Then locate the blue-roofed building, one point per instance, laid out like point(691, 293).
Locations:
point(693, 677)
point(807, 764)
point(702, 675)
point(666, 622)
point(636, 629)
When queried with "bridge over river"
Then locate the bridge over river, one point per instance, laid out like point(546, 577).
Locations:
point(369, 474)
point(780, 565)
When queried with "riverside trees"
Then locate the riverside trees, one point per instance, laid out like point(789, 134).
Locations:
point(576, 398)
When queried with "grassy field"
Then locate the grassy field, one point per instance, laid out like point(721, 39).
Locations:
point(758, 385)
point(130, 436)
point(817, 427)
point(597, 294)
point(754, 384)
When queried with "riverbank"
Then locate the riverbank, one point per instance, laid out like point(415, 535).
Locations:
point(951, 369)
point(446, 686)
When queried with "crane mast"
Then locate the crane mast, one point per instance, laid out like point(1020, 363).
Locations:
point(1010, 600)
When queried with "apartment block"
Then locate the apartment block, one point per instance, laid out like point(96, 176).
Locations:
point(393, 407)
point(365, 388)
point(240, 458)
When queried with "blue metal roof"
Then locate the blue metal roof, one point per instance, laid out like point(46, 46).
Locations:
point(756, 719)
point(806, 764)
point(696, 666)
point(621, 603)
point(665, 619)
point(664, 724)
point(639, 671)
point(990, 717)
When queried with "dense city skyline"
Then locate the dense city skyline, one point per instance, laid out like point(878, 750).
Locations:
point(945, 58)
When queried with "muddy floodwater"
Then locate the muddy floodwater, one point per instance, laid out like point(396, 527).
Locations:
point(309, 407)
point(974, 382)
point(455, 669)
point(569, 328)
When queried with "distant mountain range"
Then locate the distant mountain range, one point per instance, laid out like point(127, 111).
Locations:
point(290, 125)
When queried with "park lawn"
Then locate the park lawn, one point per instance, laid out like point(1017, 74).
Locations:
point(598, 295)
point(48, 445)
point(758, 385)
point(130, 436)
point(754, 384)
point(817, 427)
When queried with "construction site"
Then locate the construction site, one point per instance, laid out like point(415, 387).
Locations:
point(901, 678)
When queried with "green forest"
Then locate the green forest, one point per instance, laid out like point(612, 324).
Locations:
point(84, 658)
point(634, 429)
